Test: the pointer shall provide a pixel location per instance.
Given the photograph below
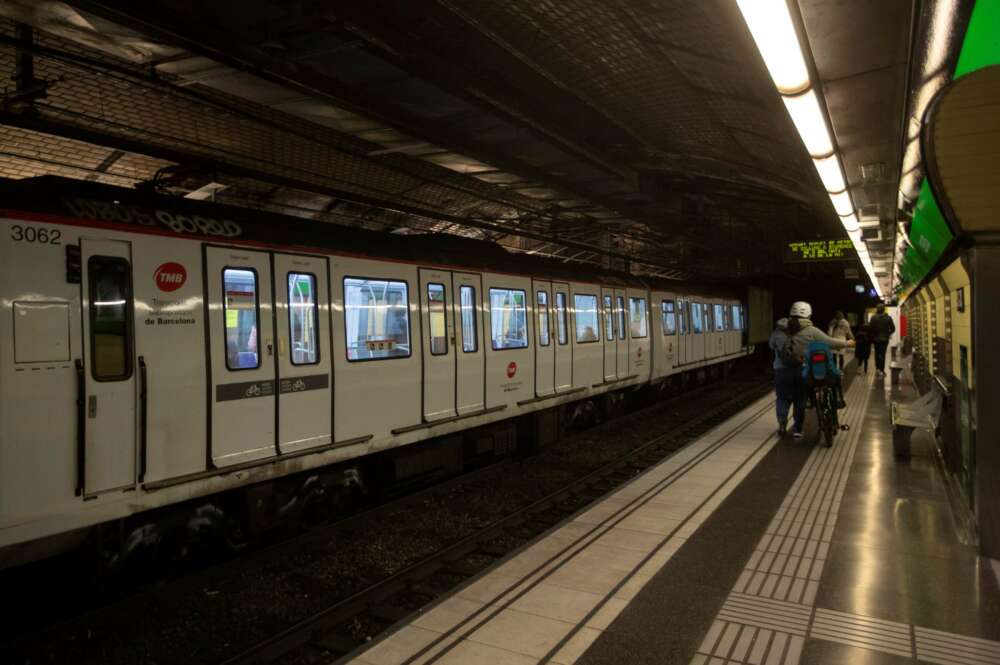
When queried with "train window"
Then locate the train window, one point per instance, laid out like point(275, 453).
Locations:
point(110, 304)
point(719, 318)
point(682, 320)
point(696, 317)
point(609, 319)
point(303, 318)
point(438, 323)
point(467, 305)
point(669, 319)
point(637, 317)
point(376, 318)
point(240, 306)
point(508, 319)
point(561, 333)
point(543, 318)
point(620, 301)
point(587, 319)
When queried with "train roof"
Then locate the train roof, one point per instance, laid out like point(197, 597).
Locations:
point(66, 198)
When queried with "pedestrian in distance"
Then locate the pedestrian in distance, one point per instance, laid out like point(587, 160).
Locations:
point(881, 328)
point(863, 347)
point(840, 328)
point(784, 388)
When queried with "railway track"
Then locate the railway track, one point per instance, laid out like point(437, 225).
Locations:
point(349, 622)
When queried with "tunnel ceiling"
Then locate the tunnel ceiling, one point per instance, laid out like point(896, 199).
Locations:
point(641, 134)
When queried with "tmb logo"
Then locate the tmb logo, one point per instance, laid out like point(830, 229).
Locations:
point(170, 276)
point(511, 369)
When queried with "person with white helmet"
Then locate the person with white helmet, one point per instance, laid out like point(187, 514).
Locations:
point(802, 332)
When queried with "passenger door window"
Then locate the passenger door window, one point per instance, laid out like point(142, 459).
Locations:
point(621, 316)
point(543, 318)
point(436, 308)
point(110, 304)
point(561, 332)
point(470, 337)
point(303, 319)
point(669, 321)
point(240, 308)
point(609, 319)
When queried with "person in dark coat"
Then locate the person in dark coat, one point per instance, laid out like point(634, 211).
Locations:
point(863, 350)
point(881, 328)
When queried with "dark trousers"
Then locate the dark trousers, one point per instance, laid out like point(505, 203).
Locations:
point(880, 347)
point(863, 363)
point(790, 390)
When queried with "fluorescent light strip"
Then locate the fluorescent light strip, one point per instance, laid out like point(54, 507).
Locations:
point(808, 119)
point(830, 173)
point(842, 203)
point(850, 223)
point(772, 29)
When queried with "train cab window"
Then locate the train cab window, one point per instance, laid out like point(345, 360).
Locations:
point(620, 301)
point(737, 317)
point(587, 320)
point(436, 307)
point(467, 305)
point(561, 333)
point(719, 318)
point(637, 317)
point(240, 306)
point(696, 318)
point(376, 318)
point(110, 304)
point(669, 318)
point(508, 319)
point(303, 318)
point(682, 319)
point(543, 318)
point(609, 319)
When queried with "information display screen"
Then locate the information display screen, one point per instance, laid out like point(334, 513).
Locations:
point(840, 249)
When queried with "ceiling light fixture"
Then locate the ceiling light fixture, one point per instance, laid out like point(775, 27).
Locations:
point(850, 223)
point(774, 33)
point(842, 203)
point(830, 173)
point(808, 119)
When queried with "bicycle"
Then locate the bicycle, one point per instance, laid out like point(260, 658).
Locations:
point(820, 377)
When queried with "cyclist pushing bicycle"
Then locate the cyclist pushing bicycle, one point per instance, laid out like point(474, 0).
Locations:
point(801, 333)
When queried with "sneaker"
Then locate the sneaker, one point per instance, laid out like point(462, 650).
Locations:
point(782, 429)
point(796, 435)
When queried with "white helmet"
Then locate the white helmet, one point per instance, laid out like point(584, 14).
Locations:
point(801, 309)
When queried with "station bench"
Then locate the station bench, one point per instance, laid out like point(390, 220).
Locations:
point(923, 413)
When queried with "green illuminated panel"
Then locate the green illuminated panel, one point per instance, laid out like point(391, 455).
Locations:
point(839, 249)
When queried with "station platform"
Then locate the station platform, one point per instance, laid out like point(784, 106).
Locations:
point(739, 548)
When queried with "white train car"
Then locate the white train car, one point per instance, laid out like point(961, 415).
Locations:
point(157, 351)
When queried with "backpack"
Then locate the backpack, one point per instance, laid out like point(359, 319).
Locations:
point(788, 355)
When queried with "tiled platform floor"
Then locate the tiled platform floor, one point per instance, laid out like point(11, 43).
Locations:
point(835, 555)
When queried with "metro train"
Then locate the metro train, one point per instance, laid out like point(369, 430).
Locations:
point(159, 352)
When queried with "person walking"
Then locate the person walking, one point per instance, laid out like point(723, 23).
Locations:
point(784, 376)
point(863, 347)
point(881, 328)
point(840, 328)
point(804, 333)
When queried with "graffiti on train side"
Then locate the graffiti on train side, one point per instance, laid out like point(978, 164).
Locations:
point(124, 213)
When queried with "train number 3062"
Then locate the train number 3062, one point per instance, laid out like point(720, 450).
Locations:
point(31, 234)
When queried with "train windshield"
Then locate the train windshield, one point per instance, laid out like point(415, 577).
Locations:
point(587, 325)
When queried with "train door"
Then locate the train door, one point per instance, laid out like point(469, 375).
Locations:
point(621, 325)
point(668, 324)
point(438, 344)
point(470, 358)
point(302, 308)
point(563, 349)
point(109, 366)
point(610, 336)
point(238, 286)
point(699, 329)
point(684, 332)
point(545, 349)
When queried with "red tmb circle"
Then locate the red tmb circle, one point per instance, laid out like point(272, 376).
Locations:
point(170, 276)
point(511, 369)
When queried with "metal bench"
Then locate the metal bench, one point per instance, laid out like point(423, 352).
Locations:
point(896, 368)
point(923, 413)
